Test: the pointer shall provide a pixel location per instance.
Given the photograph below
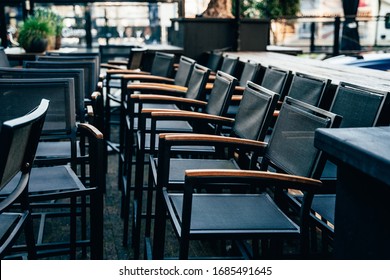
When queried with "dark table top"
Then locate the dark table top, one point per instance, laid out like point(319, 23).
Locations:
point(366, 149)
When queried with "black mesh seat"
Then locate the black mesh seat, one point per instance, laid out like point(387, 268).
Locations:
point(18, 142)
point(290, 150)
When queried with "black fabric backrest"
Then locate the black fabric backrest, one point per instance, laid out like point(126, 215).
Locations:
point(135, 58)
point(197, 82)
point(307, 88)
point(4, 62)
point(250, 72)
point(17, 96)
point(291, 147)
point(214, 61)
point(183, 74)
point(32, 73)
point(162, 64)
point(18, 143)
point(229, 65)
point(70, 58)
point(276, 80)
point(221, 94)
point(255, 112)
point(90, 81)
point(359, 106)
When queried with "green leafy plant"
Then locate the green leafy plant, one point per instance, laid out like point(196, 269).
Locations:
point(41, 27)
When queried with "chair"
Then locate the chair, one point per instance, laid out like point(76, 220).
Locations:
point(76, 74)
point(74, 58)
point(147, 133)
point(308, 88)
point(90, 80)
point(133, 60)
point(359, 107)
point(4, 62)
point(165, 100)
point(59, 138)
point(18, 142)
point(277, 80)
point(242, 215)
point(161, 71)
point(214, 61)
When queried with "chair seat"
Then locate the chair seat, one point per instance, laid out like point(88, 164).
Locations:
point(167, 126)
point(229, 213)
point(55, 149)
point(324, 205)
point(179, 166)
point(8, 221)
point(48, 179)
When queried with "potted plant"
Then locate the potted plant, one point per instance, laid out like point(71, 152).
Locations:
point(56, 21)
point(34, 34)
point(41, 31)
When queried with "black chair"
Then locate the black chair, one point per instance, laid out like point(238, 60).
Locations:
point(359, 107)
point(277, 80)
point(161, 71)
point(164, 100)
point(147, 133)
point(308, 88)
point(243, 215)
point(76, 74)
point(18, 142)
point(90, 80)
point(133, 60)
point(59, 138)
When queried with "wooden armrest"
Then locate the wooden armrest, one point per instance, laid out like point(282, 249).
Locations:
point(236, 98)
point(127, 72)
point(247, 176)
point(96, 132)
point(163, 89)
point(239, 90)
point(173, 99)
point(206, 139)
point(276, 113)
point(191, 115)
point(148, 78)
point(90, 112)
point(117, 62)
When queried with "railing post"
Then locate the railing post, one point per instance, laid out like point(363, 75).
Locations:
point(312, 36)
point(336, 39)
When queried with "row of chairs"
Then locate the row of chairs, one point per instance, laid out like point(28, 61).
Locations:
point(68, 175)
point(291, 133)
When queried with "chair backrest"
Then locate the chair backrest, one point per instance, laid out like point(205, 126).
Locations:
point(17, 96)
point(197, 82)
point(109, 52)
point(33, 73)
point(250, 72)
point(90, 81)
point(162, 64)
point(220, 95)
point(86, 54)
point(18, 143)
point(135, 58)
point(4, 62)
point(255, 112)
point(308, 88)
point(229, 65)
point(277, 80)
point(360, 106)
point(183, 74)
point(291, 146)
point(214, 61)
